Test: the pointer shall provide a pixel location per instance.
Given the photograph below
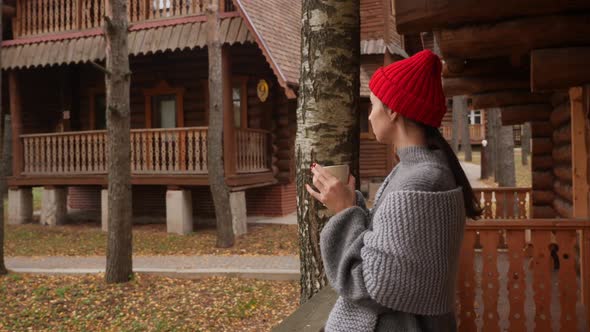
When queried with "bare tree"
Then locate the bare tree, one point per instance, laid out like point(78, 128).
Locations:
point(117, 80)
point(215, 145)
point(525, 143)
point(327, 117)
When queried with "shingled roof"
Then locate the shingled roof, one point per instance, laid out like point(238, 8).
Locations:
point(276, 25)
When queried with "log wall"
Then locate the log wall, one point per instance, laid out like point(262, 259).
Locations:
point(541, 167)
point(562, 155)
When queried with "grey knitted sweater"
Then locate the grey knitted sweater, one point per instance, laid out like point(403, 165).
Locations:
point(395, 266)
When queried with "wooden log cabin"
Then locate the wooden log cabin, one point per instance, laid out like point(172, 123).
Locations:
point(56, 100)
point(530, 60)
point(526, 265)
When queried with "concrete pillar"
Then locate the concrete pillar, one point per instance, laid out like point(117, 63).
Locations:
point(104, 209)
point(179, 212)
point(20, 206)
point(237, 202)
point(54, 206)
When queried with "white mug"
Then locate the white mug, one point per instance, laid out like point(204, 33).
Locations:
point(341, 172)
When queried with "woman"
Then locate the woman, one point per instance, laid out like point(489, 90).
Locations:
point(395, 266)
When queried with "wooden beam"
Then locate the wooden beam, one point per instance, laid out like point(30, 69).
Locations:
point(16, 121)
point(414, 16)
point(513, 115)
point(453, 67)
point(580, 132)
point(473, 85)
point(559, 68)
point(507, 98)
point(515, 36)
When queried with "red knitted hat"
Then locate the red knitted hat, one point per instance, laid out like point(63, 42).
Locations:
point(413, 88)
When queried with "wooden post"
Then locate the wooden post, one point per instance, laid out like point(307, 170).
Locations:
point(580, 125)
point(229, 129)
point(16, 120)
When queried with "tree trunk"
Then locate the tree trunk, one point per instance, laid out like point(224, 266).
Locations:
point(460, 106)
point(3, 164)
point(455, 126)
point(491, 134)
point(506, 171)
point(215, 145)
point(525, 143)
point(327, 117)
point(117, 79)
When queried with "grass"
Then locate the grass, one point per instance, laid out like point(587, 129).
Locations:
point(87, 240)
point(147, 303)
point(523, 173)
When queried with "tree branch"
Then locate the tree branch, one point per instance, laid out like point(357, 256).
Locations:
point(101, 68)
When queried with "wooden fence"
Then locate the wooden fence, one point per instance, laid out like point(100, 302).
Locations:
point(510, 283)
point(505, 202)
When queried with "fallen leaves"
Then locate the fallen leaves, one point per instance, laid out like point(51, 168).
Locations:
point(88, 240)
point(147, 303)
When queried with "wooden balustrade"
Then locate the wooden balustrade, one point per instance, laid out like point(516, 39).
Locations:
point(513, 281)
point(35, 17)
point(65, 153)
point(505, 203)
point(169, 151)
point(153, 151)
point(476, 132)
point(252, 150)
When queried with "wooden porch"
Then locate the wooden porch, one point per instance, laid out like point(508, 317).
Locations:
point(476, 133)
point(173, 156)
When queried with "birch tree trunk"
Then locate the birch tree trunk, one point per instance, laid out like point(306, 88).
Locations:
point(215, 145)
point(525, 143)
point(117, 79)
point(327, 117)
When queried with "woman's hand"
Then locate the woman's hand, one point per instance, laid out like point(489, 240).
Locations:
point(335, 195)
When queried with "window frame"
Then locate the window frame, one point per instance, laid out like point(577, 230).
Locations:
point(163, 89)
point(93, 92)
point(242, 82)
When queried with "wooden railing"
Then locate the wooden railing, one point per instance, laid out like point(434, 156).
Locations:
point(153, 151)
point(505, 203)
point(510, 282)
point(35, 17)
point(475, 132)
point(65, 153)
point(169, 151)
point(252, 151)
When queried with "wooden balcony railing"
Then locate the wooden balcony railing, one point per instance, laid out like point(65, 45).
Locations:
point(252, 150)
point(505, 203)
point(153, 151)
point(476, 132)
point(36, 17)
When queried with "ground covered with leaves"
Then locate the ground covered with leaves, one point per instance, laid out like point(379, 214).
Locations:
point(523, 172)
point(147, 303)
point(86, 239)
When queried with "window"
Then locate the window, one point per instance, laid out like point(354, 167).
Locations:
point(164, 111)
point(100, 112)
point(228, 6)
point(239, 103)
point(474, 117)
point(164, 106)
point(366, 130)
